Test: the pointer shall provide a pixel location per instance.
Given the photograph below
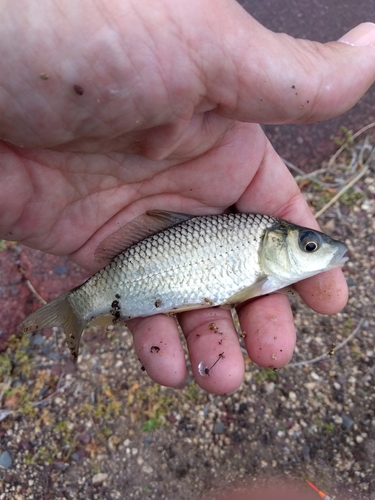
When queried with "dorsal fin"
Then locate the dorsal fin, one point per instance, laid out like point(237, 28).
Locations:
point(138, 229)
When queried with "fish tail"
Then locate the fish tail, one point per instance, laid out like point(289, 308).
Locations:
point(58, 312)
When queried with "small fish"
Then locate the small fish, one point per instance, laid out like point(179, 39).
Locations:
point(165, 262)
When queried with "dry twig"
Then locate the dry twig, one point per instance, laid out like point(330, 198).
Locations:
point(342, 191)
point(327, 356)
point(354, 136)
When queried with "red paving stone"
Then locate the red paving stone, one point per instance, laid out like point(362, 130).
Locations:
point(49, 275)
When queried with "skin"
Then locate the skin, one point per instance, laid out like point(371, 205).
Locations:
point(168, 119)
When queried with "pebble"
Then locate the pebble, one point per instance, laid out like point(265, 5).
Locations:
point(85, 438)
point(38, 339)
point(99, 478)
point(5, 460)
point(293, 396)
point(219, 428)
point(270, 387)
point(347, 422)
point(306, 452)
point(147, 469)
point(337, 419)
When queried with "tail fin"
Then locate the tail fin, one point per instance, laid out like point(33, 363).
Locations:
point(59, 312)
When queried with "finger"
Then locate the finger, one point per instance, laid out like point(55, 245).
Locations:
point(278, 79)
point(325, 293)
point(158, 347)
point(215, 355)
point(269, 330)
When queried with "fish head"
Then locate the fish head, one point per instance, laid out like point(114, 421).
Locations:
point(291, 253)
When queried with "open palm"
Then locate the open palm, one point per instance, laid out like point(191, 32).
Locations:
point(89, 149)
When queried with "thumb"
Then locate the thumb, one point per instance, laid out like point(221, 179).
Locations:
point(275, 78)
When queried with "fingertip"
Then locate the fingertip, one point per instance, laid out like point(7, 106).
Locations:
point(218, 372)
point(216, 359)
point(325, 293)
point(158, 347)
point(270, 333)
point(360, 36)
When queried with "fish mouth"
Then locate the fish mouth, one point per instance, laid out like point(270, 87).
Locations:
point(341, 255)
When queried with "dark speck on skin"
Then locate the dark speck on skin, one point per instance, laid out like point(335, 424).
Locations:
point(115, 311)
point(78, 89)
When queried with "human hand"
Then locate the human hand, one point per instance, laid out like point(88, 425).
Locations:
point(110, 109)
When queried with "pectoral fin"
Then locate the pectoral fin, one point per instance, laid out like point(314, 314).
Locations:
point(265, 286)
point(247, 293)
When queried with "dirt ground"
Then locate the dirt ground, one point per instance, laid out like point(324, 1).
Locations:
point(102, 430)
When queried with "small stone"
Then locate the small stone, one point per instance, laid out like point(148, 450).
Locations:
point(5, 460)
point(293, 396)
point(38, 339)
point(58, 464)
point(81, 453)
point(147, 469)
point(218, 428)
point(350, 282)
point(76, 457)
point(85, 438)
point(70, 366)
point(306, 452)
point(99, 478)
point(347, 422)
point(270, 387)
point(337, 419)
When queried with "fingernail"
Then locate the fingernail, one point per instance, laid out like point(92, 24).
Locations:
point(360, 36)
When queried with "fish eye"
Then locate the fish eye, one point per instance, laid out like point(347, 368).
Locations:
point(309, 241)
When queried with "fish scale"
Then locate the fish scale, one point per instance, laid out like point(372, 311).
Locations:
point(189, 262)
point(205, 258)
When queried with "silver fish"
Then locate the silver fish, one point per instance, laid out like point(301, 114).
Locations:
point(164, 262)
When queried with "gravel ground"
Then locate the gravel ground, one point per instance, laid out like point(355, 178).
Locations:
point(103, 430)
